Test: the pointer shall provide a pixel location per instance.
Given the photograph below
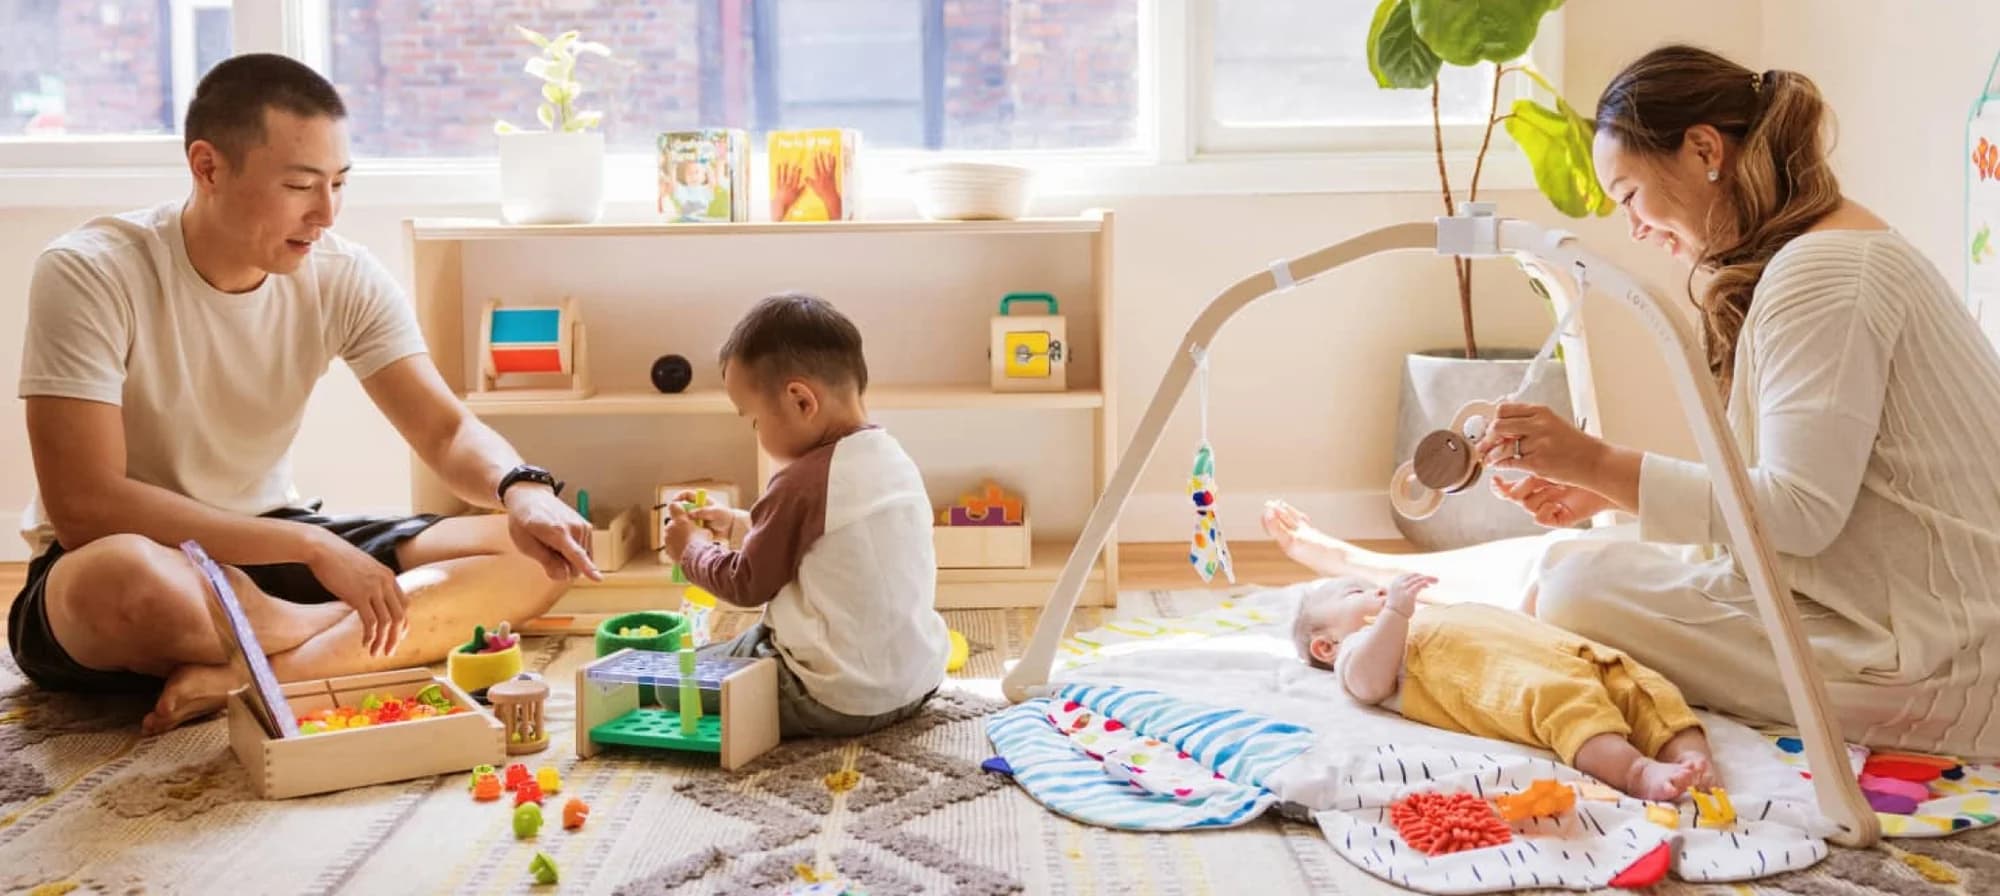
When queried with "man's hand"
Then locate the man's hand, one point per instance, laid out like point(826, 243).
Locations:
point(683, 529)
point(361, 582)
point(550, 532)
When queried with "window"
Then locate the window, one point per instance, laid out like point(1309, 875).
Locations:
point(69, 68)
point(1318, 49)
point(910, 74)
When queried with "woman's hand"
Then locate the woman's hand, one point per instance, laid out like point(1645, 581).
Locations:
point(1534, 439)
point(1553, 504)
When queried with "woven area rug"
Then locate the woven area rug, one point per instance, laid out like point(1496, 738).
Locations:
point(86, 805)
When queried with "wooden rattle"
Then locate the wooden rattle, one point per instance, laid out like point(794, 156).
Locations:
point(1444, 464)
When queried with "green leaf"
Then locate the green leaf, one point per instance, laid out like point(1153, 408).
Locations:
point(1468, 32)
point(1397, 57)
point(547, 114)
point(555, 93)
point(1557, 144)
point(586, 120)
point(545, 70)
point(503, 127)
point(533, 36)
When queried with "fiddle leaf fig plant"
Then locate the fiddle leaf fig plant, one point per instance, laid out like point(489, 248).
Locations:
point(1410, 42)
point(556, 67)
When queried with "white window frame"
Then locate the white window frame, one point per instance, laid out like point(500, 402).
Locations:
point(182, 49)
point(1178, 149)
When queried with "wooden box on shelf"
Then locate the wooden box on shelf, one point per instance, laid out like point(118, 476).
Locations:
point(983, 547)
point(281, 768)
point(614, 538)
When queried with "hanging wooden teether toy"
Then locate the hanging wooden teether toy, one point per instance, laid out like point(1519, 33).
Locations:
point(1445, 462)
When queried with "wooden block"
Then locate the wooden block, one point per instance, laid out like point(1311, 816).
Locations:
point(614, 538)
point(597, 704)
point(281, 768)
point(749, 713)
point(983, 547)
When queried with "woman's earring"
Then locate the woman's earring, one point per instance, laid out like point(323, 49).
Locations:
point(1714, 175)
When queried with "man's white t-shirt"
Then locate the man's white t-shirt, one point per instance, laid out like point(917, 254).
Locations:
point(212, 385)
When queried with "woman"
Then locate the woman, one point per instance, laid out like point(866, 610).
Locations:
point(1862, 395)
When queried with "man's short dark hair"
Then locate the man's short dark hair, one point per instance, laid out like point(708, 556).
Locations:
point(229, 103)
point(795, 334)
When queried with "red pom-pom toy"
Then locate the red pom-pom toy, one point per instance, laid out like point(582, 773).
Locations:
point(1439, 823)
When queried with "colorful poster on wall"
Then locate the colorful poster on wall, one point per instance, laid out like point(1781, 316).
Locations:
point(1982, 206)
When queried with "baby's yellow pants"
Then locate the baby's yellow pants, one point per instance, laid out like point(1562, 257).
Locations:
point(1497, 673)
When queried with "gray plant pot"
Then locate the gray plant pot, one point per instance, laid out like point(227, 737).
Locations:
point(1435, 385)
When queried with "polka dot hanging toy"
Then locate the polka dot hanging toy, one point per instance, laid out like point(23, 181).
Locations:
point(1207, 551)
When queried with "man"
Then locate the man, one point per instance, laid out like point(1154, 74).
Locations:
point(170, 353)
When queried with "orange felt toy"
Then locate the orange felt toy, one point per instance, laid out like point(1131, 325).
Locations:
point(1439, 823)
point(1545, 796)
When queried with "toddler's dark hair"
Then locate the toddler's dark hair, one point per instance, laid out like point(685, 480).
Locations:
point(796, 334)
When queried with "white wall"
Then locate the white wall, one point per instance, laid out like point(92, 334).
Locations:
point(1303, 398)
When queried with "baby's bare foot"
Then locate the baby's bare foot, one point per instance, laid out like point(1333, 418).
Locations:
point(1295, 535)
point(1652, 779)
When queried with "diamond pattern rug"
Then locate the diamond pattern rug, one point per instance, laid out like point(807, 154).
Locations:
point(86, 805)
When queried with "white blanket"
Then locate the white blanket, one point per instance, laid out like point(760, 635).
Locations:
point(1257, 670)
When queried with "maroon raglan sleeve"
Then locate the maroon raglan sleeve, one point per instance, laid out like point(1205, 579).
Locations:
point(784, 523)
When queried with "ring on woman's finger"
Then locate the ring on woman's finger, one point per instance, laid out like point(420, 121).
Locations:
point(1517, 449)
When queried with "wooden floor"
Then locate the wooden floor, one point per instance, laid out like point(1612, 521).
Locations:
point(1142, 566)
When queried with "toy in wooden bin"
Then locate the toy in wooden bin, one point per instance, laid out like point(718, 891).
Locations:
point(518, 703)
point(987, 529)
point(614, 535)
point(1030, 352)
point(283, 760)
point(488, 659)
point(545, 340)
point(709, 704)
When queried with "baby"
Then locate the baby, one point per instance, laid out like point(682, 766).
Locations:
point(1496, 673)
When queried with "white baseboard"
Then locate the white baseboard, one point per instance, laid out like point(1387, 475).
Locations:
point(1164, 517)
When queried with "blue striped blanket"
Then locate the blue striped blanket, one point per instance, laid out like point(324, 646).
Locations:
point(1141, 760)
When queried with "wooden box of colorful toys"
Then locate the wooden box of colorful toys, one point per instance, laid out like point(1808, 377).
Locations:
point(360, 730)
point(985, 530)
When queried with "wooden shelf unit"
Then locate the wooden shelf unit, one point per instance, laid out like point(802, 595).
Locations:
point(456, 264)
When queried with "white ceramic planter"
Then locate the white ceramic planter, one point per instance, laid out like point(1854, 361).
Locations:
point(1435, 385)
point(551, 178)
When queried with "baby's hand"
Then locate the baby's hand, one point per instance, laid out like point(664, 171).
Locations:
point(726, 522)
point(1403, 592)
point(682, 529)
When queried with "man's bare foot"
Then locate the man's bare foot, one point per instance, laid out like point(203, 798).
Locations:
point(282, 625)
point(1651, 779)
point(1690, 748)
point(192, 691)
point(1295, 535)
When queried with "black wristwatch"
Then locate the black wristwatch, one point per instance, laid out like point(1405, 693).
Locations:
point(527, 473)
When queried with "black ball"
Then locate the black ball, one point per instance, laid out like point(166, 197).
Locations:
point(672, 373)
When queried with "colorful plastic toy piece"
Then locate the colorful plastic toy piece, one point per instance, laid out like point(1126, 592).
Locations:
point(528, 792)
point(575, 813)
point(549, 779)
point(527, 820)
point(1544, 797)
point(1665, 816)
point(978, 509)
point(1712, 809)
point(543, 868)
point(480, 771)
point(516, 775)
point(960, 651)
point(690, 694)
point(486, 788)
point(1439, 823)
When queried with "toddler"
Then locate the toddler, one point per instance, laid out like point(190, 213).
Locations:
point(838, 549)
point(1491, 672)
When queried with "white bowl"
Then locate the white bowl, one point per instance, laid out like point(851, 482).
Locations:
point(970, 191)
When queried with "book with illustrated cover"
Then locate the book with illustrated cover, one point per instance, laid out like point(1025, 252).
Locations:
point(812, 174)
point(705, 175)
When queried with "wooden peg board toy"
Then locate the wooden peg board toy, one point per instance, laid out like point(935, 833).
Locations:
point(1444, 463)
point(284, 762)
point(987, 529)
point(537, 340)
point(1030, 352)
point(744, 689)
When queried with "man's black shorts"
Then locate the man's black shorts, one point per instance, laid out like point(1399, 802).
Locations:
point(48, 665)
